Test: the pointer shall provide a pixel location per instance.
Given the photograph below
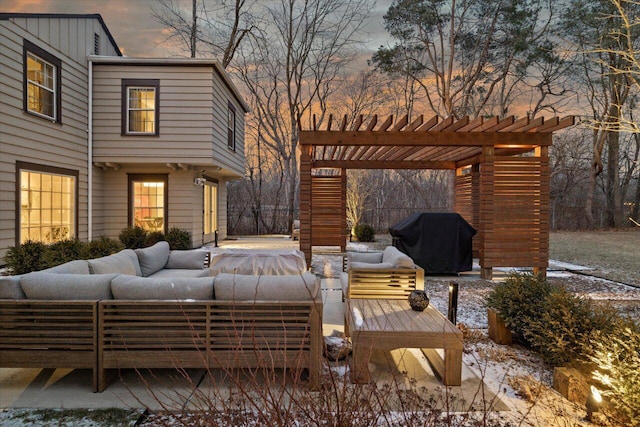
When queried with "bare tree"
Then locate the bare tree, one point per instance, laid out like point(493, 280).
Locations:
point(207, 24)
point(603, 43)
point(358, 191)
point(290, 68)
point(464, 54)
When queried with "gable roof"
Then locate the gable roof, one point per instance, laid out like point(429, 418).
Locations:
point(7, 16)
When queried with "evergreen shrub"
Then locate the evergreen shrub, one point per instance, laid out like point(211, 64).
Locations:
point(62, 251)
point(133, 237)
point(100, 247)
point(26, 257)
point(364, 232)
point(178, 239)
point(154, 237)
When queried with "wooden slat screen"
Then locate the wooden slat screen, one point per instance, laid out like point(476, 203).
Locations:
point(467, 200)
point(328, 219)
point(514, 212)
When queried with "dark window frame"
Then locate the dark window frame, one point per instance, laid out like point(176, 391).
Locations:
point(28, 47)
point(35, 167)
point(126, 84)
point(137, 177)
point(231, 133)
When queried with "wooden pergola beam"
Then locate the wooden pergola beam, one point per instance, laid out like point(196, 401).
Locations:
point(382, 164)
point(410, 139)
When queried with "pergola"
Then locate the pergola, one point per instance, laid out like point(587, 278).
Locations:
point(501, 184)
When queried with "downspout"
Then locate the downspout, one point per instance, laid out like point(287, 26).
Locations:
point(90, 157)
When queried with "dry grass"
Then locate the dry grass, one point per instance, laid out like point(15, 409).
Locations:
point(613, 254)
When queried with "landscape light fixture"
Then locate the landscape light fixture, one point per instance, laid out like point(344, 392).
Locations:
point(452, 314)
point(594, 402)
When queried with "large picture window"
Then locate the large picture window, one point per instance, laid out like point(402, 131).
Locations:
point(47, 203)
point(42, 87)
point(140, 107)
point(148, 202)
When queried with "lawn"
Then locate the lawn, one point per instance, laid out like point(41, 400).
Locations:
point(614, 255)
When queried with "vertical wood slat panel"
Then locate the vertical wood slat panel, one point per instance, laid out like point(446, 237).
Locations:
point(514, 212)
point(305, 205)
point(467, 201)
point(328, 211)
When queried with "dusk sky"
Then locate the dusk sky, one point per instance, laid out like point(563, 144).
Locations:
point(133, 27)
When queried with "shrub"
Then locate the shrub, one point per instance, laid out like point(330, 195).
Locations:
point(617, 359)
point(364, 232)
point(519, 301)
point(101, 247)
point(178, 239)
point(26, 257)
point(551, 320)
point(133, 237)
point(63, 251)
point(154, 237)
point(563, 328)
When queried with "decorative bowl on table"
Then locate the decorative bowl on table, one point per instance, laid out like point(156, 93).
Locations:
point(418, 300)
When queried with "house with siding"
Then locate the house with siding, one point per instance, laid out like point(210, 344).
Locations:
point(92, 142)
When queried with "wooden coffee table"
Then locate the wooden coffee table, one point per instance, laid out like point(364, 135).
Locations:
point(390, 324)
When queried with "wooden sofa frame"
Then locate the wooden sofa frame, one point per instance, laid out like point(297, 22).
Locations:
point(117, 334)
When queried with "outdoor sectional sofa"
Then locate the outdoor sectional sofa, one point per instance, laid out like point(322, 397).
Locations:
point(155, 308)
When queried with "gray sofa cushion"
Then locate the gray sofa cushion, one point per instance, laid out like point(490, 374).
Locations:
point(193, 259)
point(393, 256)
point(179, 272)
point(164, 288)
point(240, 287)
point(124, 262)
point(61, 286)
point(10, 288)
point(370, 257)
point(372, 266)
point(258, 262)
point(153, 258)
point(79, 266)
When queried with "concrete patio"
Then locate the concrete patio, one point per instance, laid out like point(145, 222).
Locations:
point(160, 389)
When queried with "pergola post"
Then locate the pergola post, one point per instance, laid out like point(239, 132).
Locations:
point(486, 210)
point(305, 204)
point(343, 209)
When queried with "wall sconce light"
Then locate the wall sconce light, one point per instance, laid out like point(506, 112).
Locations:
point(452, 314)
point(199, 181)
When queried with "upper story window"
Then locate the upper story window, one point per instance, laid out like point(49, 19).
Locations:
point(231, 127)
point(140, 107)
point(42, 83)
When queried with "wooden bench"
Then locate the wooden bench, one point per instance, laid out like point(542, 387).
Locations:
point(389, 324)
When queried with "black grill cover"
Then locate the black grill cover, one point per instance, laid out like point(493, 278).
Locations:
point(437, 242)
